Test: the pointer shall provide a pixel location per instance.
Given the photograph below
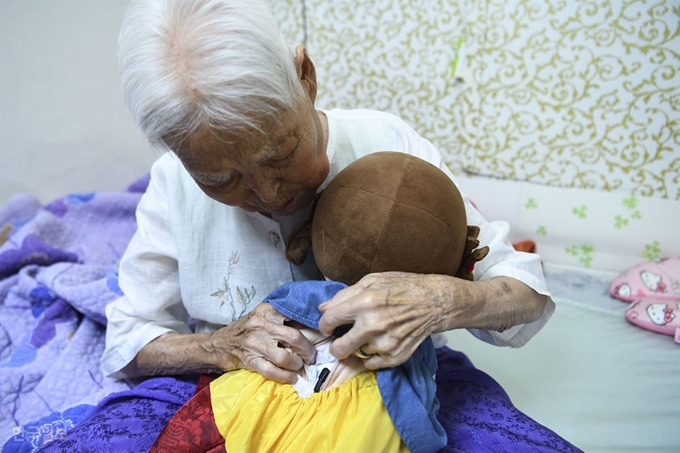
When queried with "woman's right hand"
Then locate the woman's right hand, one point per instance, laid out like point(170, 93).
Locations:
point(259, 341)
point(263, 343)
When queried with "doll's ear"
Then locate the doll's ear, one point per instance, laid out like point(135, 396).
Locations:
point(471, 254)
point(300, 240)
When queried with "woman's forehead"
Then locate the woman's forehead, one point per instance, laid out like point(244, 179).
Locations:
point(208, 142)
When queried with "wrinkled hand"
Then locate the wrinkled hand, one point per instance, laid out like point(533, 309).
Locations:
point(262, 343)
point(392, 313)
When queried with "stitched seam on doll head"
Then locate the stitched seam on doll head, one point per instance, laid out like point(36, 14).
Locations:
point(398, 203)
point(382, 230)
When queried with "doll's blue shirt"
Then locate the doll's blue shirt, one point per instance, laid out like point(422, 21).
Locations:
point(408, 390)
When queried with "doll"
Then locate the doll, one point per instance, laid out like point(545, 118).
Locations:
point(388, 211)
point(385, 212)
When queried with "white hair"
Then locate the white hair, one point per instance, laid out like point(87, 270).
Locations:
point(192, 63)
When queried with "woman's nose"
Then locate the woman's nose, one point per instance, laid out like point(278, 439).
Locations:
point(266, 189)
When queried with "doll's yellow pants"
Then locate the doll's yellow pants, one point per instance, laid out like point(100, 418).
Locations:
point(255, 414)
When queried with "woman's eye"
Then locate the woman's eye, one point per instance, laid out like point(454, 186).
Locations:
point(281, 161)
point(229, 184)
point(221, 185)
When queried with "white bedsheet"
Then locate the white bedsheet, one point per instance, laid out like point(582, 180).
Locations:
point(598, 381)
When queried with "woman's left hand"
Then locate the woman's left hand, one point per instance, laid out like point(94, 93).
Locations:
point(391, 312)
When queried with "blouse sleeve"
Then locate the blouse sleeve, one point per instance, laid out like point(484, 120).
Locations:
point(502, 260)
point(149, 278)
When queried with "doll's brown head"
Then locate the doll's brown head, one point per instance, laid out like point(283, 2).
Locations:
point(390, 211)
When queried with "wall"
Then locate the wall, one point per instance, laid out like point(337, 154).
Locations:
point(566, 94)
point(561, 117)
point(63, 125)
point(561, 93)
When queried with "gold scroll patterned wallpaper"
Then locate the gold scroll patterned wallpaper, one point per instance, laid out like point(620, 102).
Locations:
point(565, 93)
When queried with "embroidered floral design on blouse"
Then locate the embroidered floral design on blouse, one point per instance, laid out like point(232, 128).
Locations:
point(244, 296)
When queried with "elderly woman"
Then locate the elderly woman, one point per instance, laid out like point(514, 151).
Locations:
point(213, 82)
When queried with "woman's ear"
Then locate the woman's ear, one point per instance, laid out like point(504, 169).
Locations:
point(306, 72)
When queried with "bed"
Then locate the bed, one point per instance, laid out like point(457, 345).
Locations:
point(598, 381)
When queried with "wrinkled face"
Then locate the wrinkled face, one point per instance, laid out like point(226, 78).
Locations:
point(277, 173)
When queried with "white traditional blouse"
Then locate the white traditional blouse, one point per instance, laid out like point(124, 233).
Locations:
point(193, 257)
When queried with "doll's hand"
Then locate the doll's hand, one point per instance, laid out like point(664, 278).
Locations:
point(392, 313)
point(262, 343)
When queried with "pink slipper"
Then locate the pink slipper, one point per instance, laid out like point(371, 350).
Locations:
point(657, 315)
point(658, 279)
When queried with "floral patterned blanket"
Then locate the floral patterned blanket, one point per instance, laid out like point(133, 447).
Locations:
point(58, 270)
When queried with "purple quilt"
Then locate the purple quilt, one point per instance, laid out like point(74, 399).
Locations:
point(58, 270)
